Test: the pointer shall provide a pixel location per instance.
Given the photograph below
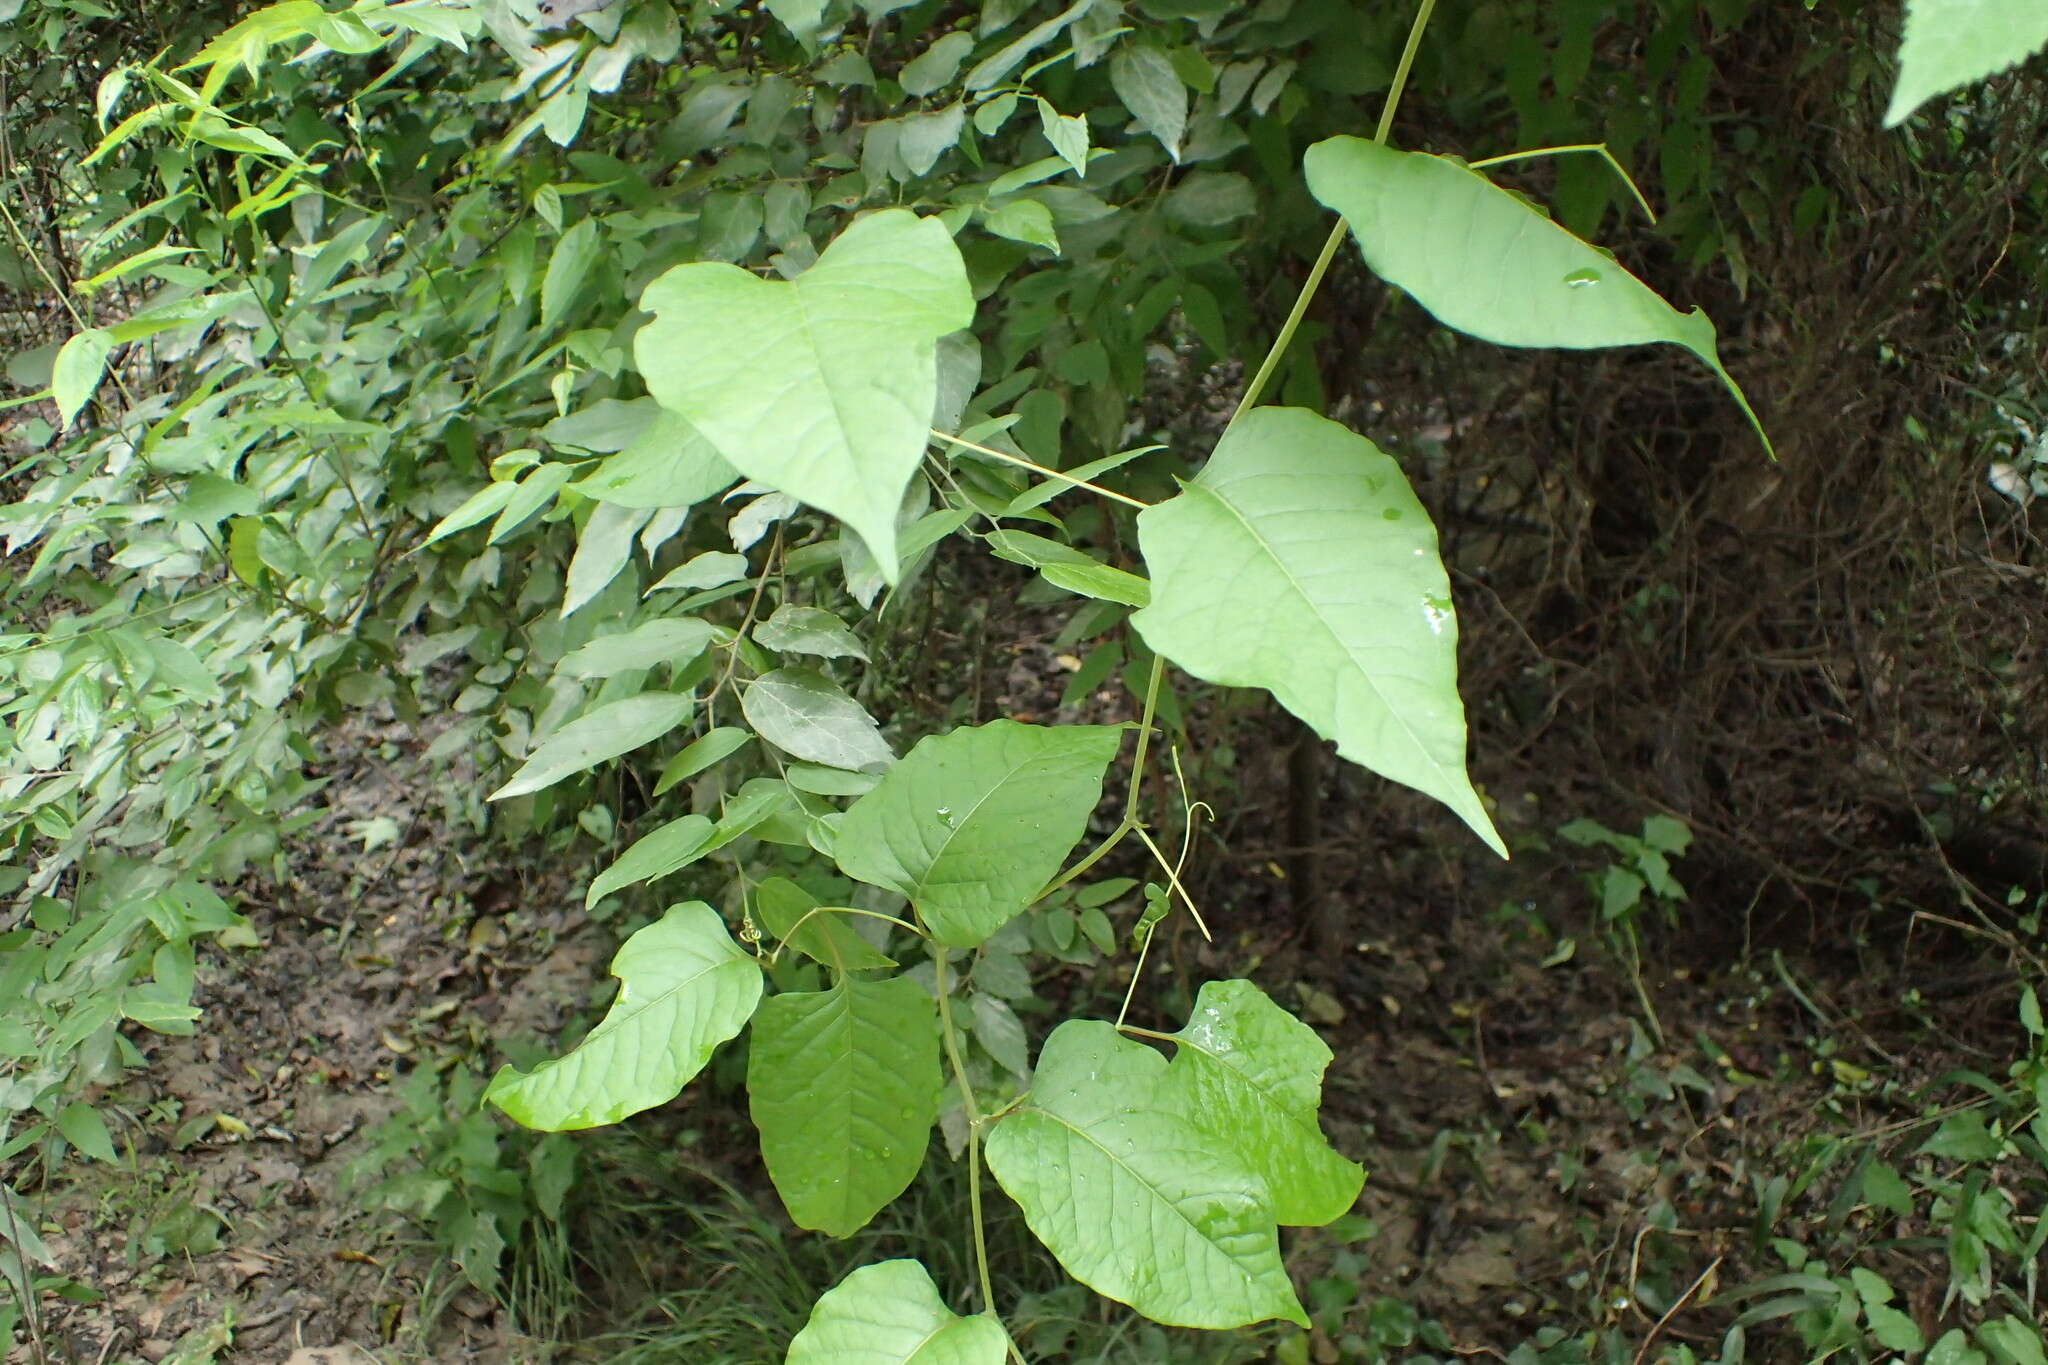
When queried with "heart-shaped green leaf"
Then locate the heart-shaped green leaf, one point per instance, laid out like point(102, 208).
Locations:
point(891, 1314)
point(1300, 561)
point(1132, 1197)
point(1250, 1074)
point(843, 1085)
point(971, 824)
point(684, 988)
point(822, 387)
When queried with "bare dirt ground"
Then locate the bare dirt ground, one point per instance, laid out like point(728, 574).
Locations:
point(1537, 1156)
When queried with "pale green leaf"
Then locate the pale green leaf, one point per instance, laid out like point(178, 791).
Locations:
point(1516, 279)
point(534, 492)
point(1130, 1196)
point(808, 630)
point(603, 547)
point(684, 988)
point(822, 387)
point(891, 1314)
point(1251, 1075)
point(80, 364)
point(712, 569)
point(1300, 561)
point(605, 427)
point(807, 715)
point(971, 825)
point(1068, 134)
point(671, 640)
point(780, 906)
point(2013, 1341)
point(844, 1085)
point(667, 463)
point(1211, 199)
point(1950, 43)
point(1024, 220)
point(1144, 79)
point(605, 733)
point(667, 849)
point(1953, 1348)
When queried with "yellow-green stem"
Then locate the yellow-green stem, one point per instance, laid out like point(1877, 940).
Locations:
point(952, 1046)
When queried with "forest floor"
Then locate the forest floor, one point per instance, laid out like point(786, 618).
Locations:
point(1543, 1151)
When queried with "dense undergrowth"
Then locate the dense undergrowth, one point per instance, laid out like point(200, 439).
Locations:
point(722, 389)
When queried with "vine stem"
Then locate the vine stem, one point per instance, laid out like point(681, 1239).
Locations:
point(1336, 237)
point(1036, 468)
point(973, 1111)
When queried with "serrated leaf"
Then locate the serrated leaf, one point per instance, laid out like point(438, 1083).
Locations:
point(808, 630)
point(1130, 1196)
point(81, 363)
point(605, 733)
point(821, 387)
point(684, 988)
point(668, 848)
point(971, 824)
point(780, 905)
point(807, 715)
point(1144, 79)
point(1950, 43)
point(1251, 1075)
point(843, 1085)
point(891, 1314)
point(673, 640)
point(1516, 279)
point(1301, 562)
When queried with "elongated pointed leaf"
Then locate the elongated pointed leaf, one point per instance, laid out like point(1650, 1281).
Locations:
point(971, 824)
point(684, 988)
point(80, 365)
point(1250, 1074)
point(1135, 1200)
point(843, 1085)
point(673, 640)
point(822, 387)
point(1950, 43)
point(1516, 278)
point(891, 1314)
point(805, 713)
point(1300, 561)
point(605, 733)
point(669, 848)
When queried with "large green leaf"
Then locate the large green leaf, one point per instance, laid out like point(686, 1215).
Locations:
point(822, 387)
point(1133, 1198)
point(804, 713)
point(891, 1314)
point(607, 732)
point(1251, 1074)
point(1950, 43)
point(844, 1085)
point(1301, 562)
point(971, 824)
point(1515, 279)
point(684, 988)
